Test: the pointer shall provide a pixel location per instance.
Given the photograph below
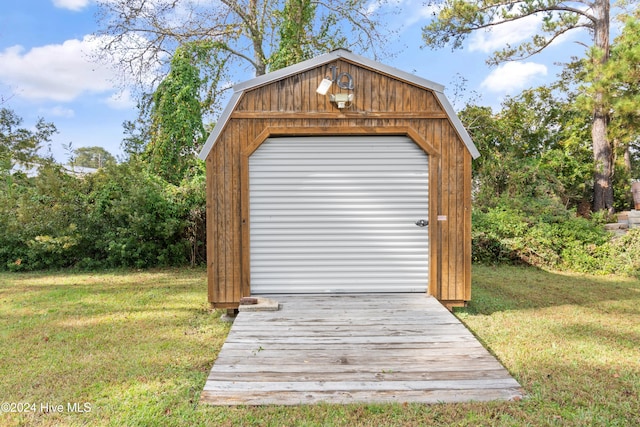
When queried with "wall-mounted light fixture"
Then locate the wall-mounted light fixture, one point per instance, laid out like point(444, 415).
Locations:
point(343, 81)
point(324, 86)
point(341, 99)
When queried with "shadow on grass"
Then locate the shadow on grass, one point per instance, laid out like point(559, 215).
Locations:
point(516, 288)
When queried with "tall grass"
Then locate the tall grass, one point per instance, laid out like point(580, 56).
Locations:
point(135, 348)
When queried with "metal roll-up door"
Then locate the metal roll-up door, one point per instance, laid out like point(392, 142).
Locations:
point(338, 214)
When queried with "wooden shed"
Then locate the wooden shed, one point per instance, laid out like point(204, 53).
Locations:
point(338, 175)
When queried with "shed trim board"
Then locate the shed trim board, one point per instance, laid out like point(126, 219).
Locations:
point(338, 214)
point(273, 132)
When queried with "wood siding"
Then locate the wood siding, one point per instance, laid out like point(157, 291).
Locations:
point(383, 105)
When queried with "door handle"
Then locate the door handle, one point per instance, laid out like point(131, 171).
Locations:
point(422, 223)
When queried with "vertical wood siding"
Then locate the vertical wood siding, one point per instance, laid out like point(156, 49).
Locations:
point(382, 105)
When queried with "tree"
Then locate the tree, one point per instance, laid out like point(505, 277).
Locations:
point(137, 132)
point(617, 80)
point(92, 157)
point(177, 131)
point(621, 78)
point(532, 148)
point(458, 18)
point(142, 34)
point(298, 42)
point(19, 145)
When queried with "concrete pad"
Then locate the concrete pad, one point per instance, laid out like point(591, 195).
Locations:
point(263, 304)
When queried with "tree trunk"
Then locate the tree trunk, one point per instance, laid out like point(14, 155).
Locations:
point(602, 150)
point(627, 159)
point(603, 160)
point(257, 33)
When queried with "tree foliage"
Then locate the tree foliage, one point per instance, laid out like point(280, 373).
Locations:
point(176, 128)
point(20, 146)
point(92, 157)
point(536, 147)
point(621, 80)
point(457, 19)
point(298, 39)
point(142, 34)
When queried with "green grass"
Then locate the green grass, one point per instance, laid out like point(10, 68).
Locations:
point(137, 348)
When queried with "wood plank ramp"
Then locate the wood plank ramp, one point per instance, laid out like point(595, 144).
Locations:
point(379, 348)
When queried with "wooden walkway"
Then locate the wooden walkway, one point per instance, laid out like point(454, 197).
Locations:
point(354, 348)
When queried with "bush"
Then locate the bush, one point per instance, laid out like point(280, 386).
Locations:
point(122, 216)
point(621, 255)
point(543, 234)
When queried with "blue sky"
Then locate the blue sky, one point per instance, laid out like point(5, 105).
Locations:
point(46, 68)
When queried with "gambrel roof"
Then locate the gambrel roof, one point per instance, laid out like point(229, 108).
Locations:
point(321, 60)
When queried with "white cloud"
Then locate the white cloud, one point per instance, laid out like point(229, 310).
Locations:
point(509, 33)
point(372, 7)
point(513, 76)
point(58, 111)
point(74, 5)
point(414, 11)
point(121, 100)
point(425, 12)
point(58, 72)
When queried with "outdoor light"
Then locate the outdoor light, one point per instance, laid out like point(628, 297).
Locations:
point(324, 86)
point(341, 99)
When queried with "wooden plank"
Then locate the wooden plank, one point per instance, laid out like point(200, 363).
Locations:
point(211, 218)
point(349, 114)
point(310, 386)
point(467, 182)
point(386, 324)
point(245, 259)
point(262, 351)
point(443, 348)
point(236, 215)
point(249, 372)
point(376, 96)
point(435, 183)
point(335, 397)
point(360, 340)
point(334, 364)
point(355, 353)
point(219, 253)
point(296, 330)
point(453, 222)
point(398, 315)
point(363, 374)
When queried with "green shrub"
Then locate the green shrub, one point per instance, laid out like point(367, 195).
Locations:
point(538, 233)
point(493, 234)
point(122, 216)
point(621, 255)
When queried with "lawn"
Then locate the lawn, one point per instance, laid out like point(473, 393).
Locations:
point(134, 348)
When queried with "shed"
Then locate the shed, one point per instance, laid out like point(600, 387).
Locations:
point(338, 175)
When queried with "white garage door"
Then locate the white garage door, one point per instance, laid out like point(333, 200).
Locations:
point(338, 214)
